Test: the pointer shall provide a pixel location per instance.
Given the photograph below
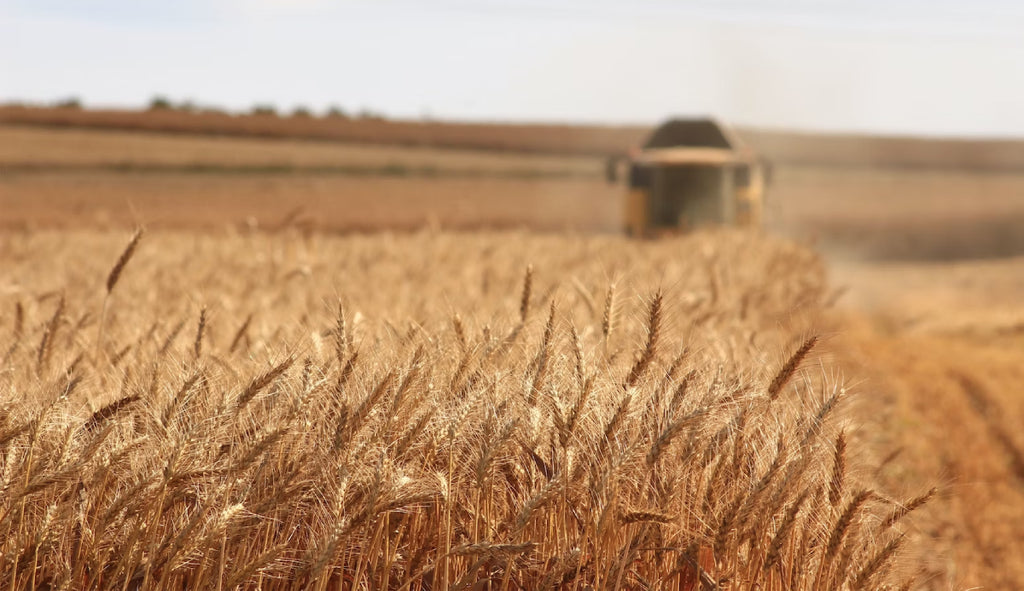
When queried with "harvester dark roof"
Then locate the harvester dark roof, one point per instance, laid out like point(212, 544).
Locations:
point(691, 133)
point(699, 141)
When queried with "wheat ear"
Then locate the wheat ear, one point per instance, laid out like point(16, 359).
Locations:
point(842, 526)
point(901, 511)
point(786, 371)
point(46, 344)
point(835, 486)
point(524, 302)
point(651, 348)
point(876, 563)
point(782, 534)
point(112, 279)
point(197, 347)
point(608, 318)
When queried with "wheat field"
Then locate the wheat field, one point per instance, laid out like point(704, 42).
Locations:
point(289, 410)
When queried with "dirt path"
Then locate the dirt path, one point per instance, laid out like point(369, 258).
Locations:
point(941, 350)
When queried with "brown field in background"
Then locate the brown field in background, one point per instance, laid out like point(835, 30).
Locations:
point(556, 139)
point(922, 254)
point(68, 176)
point(593, 140)
point(893, 213)
point(62, 177)
point(75, 148)
point(327, 202)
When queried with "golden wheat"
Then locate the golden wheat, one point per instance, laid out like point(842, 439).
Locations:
point(430, 433)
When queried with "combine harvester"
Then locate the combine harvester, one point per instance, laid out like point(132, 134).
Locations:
point(692, 173)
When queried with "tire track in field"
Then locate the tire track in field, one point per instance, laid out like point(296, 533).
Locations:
point(943, 379)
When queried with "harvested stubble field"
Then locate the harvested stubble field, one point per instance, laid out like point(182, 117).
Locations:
point(901, 214)
point(429, 411)
point(942, 346)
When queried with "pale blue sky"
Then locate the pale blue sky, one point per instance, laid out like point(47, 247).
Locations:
point(915, 67)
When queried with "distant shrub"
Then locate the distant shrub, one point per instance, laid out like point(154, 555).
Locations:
point(72, 102)
point(160, 103)
point(188, 106)
point(371, 115)
point(336, 112)
point(268, 110)
point(302, 113)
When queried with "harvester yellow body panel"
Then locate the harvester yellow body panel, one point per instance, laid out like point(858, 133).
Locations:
point(750, 199)
point(636, 212)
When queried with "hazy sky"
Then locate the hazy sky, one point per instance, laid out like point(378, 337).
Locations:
point(939, 67)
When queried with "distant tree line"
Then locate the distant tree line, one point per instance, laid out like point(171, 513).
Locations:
point(162, 103)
